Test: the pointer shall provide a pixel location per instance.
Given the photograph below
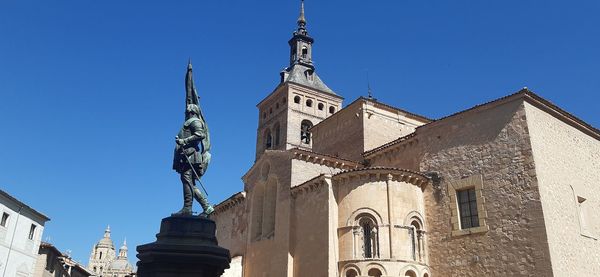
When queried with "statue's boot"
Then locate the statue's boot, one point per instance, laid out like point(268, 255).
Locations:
point(207, 207)
point(187, 202)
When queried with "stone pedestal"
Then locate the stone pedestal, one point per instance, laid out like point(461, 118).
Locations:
point(186, 246)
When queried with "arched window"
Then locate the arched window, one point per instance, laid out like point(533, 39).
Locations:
point(257, 210)
point(268, 139)
point(297, 99)
point(309, 103)
point(320, 106)
point(425, 274)
point(95, 269)
point(374, 272)
point(269, 205)
point(100, 256)
point(304, 131)
point(304, 52)
point(331, 109)
point(410, 273)
point(351, 273)
point(416, 240)
point(271, 110)
point(277, 134)
point(370, 236)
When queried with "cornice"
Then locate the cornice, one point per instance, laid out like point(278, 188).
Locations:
point(230, 202)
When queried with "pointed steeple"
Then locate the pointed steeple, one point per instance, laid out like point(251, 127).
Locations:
point(301, 18)
point(123, 250)
point(301, 43)
point(107, 232)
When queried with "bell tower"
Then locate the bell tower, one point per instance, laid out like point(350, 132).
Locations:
point(300, 101)
point(301, 43)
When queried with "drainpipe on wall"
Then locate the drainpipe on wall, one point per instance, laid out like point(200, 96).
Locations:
point(11, 241)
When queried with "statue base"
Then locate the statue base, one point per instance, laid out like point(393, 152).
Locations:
point(185, 246)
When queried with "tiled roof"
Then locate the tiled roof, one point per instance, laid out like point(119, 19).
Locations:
point(523, 93)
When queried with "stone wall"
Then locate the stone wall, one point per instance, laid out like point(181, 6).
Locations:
point(309, 235)
point(491, 141)
point(361, 126)
point(341, 134)
point(232, 224)
point(568, 166)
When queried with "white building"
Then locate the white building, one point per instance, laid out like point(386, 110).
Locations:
point(21, 229)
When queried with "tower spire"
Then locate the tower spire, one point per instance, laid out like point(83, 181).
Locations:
point(301, 18)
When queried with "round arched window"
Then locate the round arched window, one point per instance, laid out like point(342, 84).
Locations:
point(374, 272)
point(410, 273)
point(309, 103)
point(351, 273)
point(320, 106)
point(297, 99)
point(332, 109)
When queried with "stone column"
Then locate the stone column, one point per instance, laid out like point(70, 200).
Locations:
point(185, 246)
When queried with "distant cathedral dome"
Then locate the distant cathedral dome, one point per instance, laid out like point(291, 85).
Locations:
point(106, 241)
point(104, 261)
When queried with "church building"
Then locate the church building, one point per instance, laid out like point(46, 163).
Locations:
point(505, 188)
point(104, 261)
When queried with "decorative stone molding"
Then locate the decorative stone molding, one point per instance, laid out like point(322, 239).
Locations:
point(323, 159)
point(476, 182)
point(383, 174)
point(310, 185)
point(230, 202)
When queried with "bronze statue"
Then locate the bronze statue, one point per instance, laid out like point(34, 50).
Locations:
point(192, 150)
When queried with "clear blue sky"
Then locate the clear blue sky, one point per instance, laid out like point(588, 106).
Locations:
point(92, 92)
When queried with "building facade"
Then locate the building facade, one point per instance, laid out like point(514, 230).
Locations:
point(21, 229)
point(506, 188)
point(105, 261)
point(53, 263)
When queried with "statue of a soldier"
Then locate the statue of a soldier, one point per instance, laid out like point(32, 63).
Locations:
point(192, 156)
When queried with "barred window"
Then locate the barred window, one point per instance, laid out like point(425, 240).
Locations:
point(467, 206)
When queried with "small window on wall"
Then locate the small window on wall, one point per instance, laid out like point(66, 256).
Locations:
point(297, 99)
point(332, 109)
point(467, 208)
point(270, 110)
point(4, 220)
point(31, 231)
point(309, 103)
point(320, 106)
